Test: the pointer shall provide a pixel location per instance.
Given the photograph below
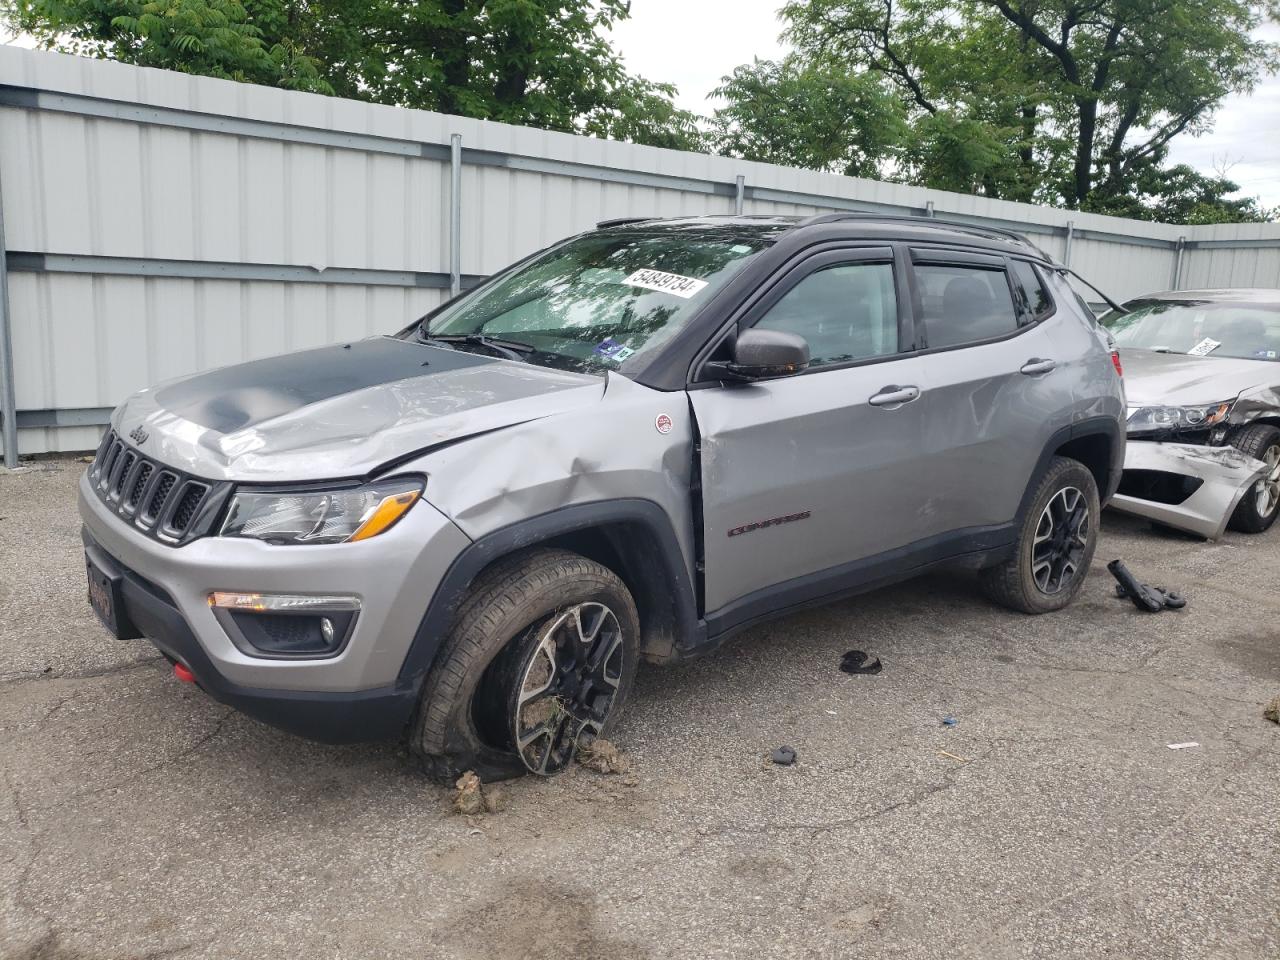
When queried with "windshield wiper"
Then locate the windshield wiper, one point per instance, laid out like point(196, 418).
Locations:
point(510, 349)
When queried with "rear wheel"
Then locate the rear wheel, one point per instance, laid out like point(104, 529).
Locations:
point(1257, 509)
point(540, 660)
point(1055, 545)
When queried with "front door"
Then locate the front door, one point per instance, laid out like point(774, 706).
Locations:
point(810, 473)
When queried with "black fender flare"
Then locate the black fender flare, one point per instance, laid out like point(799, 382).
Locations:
point(1106, 427)
point(669, 560)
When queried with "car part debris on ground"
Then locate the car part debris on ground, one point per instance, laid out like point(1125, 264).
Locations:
point(859, 661)
point(949, 721)
point(602, 756)
point(783, 756)
point(1272, 710)
point(471, 797)
point(1145, 597)
point(1183, 746)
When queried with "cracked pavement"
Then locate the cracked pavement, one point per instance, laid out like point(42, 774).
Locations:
point(139, 818)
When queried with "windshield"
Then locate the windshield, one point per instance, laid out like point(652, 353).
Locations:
point(595, 302)
point(1201, 328)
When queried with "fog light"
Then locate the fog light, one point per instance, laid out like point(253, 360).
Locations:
point(286, 626)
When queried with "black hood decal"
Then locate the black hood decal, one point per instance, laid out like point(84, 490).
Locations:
point(246, 394)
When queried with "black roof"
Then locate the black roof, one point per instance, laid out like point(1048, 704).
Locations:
point(859, 226)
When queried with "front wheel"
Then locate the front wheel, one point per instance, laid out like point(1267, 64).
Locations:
point(1055, 544)
point(1257, 509)
point(540, 660)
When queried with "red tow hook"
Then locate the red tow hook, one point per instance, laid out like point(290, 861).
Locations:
point(183, 673)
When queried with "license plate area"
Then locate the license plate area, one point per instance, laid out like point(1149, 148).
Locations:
point(106, 597)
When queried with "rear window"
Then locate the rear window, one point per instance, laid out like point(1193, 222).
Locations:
point(964, 304)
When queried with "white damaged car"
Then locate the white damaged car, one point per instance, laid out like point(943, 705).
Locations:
point(1202, 377)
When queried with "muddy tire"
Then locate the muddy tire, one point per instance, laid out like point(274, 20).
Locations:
point(524, 619)
point(1055, 545)
point(1258, 508)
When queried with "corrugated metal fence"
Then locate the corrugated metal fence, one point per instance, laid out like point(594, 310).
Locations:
point(156, 224)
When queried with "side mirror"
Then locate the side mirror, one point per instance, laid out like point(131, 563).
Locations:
point(765, 354)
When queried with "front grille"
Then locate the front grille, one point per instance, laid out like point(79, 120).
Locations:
point(164, 503)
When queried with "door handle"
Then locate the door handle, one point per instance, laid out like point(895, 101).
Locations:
point(1036, 366)
point(894, 396)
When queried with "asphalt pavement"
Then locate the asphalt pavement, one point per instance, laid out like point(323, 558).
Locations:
point(139, 818)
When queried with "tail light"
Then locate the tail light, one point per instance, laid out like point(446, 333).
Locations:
point(1115, 362)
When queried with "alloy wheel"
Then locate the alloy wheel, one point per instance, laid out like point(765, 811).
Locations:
point(568, 686)
point(1267, 490)
point(1061, 540)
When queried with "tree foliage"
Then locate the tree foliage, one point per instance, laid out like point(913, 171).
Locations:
point(543, 63)
point(1071, 102)
point(809, 114)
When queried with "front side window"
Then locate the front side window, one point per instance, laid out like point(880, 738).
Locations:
point(1201, 328)
point(847, 312)
point(964, 304)
point(596, 301)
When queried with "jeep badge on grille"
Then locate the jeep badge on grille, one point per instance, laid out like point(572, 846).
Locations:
point(138, 435)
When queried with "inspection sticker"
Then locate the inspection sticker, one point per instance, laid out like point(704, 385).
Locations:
point(1204, 347)
point(671, 283)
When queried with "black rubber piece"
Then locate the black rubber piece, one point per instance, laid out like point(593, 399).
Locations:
point(784, 756)
point(859, 661)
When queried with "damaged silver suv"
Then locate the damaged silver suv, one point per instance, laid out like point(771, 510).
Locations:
point(629, 445)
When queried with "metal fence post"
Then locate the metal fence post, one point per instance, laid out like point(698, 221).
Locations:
point(455, 214)
point(1177, 264)
point(1071, 234)
point(8, 395)
point(740, 194)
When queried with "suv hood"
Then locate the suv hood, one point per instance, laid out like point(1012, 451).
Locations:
point(1175, 379)
point(340, 411)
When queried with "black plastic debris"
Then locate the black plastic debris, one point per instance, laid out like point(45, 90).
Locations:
point(859, 661)
point(783, 756)
point(949, 721)
point(1145, 597)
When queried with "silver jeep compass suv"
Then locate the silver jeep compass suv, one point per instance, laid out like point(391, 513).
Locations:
point(632, 444)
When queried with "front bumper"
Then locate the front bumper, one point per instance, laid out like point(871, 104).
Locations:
point(1224, 474)
point(357, 694)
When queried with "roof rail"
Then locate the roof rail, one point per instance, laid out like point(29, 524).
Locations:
point(621, 221)
point(972, 228)
point(906, 218)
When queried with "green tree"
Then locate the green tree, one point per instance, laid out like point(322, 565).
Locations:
point(1065, 101)
point(543, 63)
point(811, 115)
point(247, 41)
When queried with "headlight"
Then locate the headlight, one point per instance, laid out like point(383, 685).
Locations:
point(1159, 419)
point(320, 516)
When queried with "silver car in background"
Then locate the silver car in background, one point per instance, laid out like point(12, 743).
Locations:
point(1202, 374)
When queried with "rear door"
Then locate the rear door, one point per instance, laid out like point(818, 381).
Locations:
point(995, 387)
point(810, 472)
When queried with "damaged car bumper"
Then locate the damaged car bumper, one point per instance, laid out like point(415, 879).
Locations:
point(1186, 486)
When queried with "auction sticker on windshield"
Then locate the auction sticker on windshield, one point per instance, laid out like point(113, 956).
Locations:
point(1204, 347)
point(671, 283)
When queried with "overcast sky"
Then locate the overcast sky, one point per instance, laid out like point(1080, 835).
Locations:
point(693, 43)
